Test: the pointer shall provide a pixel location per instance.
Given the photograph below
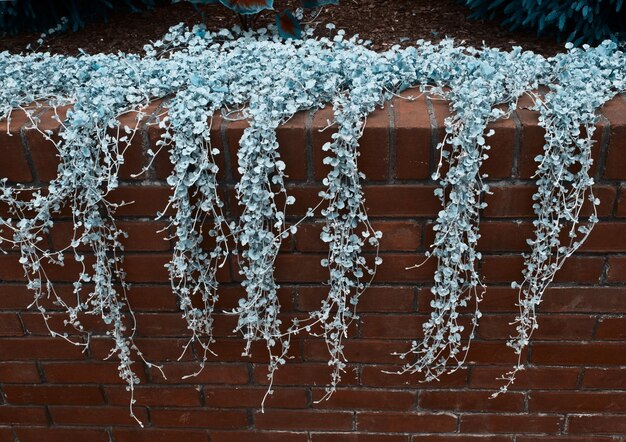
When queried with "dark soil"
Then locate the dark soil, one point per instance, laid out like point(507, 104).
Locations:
point(385, 22)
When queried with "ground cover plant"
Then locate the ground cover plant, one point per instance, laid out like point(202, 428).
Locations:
point(265, 79)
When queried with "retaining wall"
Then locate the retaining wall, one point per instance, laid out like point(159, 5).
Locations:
point(575, 385)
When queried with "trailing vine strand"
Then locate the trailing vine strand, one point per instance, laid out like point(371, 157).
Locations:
point(258, 77)
point(479, 93)
point(580, 82)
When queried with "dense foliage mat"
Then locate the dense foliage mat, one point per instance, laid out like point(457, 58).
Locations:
point(265, 80)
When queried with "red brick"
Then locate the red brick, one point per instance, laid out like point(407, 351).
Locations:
point(611, 329)
point(401, 200)
point(495, 299)
point(512, 237)
point(303, 420)
point(154, 350)
point(11, 269)
point(199, 418)
point(499, 165)
point(413, 136)
point(500, 161)
point(552, 327)
point(151, 268)
point(582, 353)
point(146, 268)
point(15, 296)
point(504, 236)
point(441, 111)
point(300, 268)
point(135, 158)
point(614, 111)
point(256, 436)
point(23, 415)
point(560, 439)
point(26, 349)
point(231, 350)
point(397, 236)
point(53, 395)
point(545, 378)
point(515, 201)
point(385, 376)
point(252, 397)
point(44, 434)
point(351, 399)
point(373, 145)
point(597, 424)
point(532, 141)
point(292, 141)
point(19, 297)
point(173, 324)
point(620, 211)
point(229, 296)
point(14, 166)
point(491, 353)
point(604, 378)
point(470, 401)
point(162, 164)
point(155, 396)
point(585, 299)
point(374, 299)
point(503, 423)
point(321, 133)
point(606, 237)
point(234, 131)
point(97, 416)
point(158, 435)
point(459, 438)
point(394, 422)
point(140, 200)
point(405, 268)
point(219, 374)
point(143, 236)
point(19, 373)
point(507, 268)
point(357, 437)
point(44, 153)
point(362, 350)
point(392, 326)
point(10, 325)
point(307, 197)
point(6, 433)
point(35, 325)
point(617, 269)
point(151, 298)
point(576, 401)
point(88, 372)
point(308, 374)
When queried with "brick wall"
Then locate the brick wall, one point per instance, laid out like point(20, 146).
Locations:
point(574, 388)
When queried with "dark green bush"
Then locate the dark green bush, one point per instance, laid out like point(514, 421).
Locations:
point(41, 15)
point(578, 21)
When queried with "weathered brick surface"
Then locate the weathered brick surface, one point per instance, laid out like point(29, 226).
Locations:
point(574, 388)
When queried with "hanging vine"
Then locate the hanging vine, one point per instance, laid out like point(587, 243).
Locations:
point(266, 81)
point(480, 93)
point(580, 82)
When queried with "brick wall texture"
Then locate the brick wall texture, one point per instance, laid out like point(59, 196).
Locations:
point(575, 385)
